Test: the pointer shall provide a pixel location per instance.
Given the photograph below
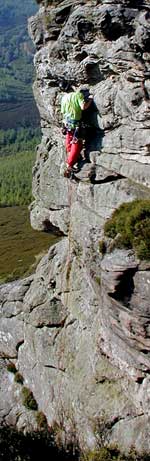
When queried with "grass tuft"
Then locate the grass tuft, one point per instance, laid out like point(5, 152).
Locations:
point(28, 399)
point(132, 222)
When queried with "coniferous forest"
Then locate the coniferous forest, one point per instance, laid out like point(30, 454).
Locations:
point(17, 105)
point(19, 118)
point(16, 179)
point(17, 156)
point(16, 50)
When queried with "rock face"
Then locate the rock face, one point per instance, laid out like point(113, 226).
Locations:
point(80, 335)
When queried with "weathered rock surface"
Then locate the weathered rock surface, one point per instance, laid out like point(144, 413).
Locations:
point(79, 332)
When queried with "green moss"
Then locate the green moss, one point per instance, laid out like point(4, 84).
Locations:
point(112, 453)
point(98, 455)
point(28, 399)
point(98, 280)
point(132, 222)
point(18, 378)
point(102, 247)
point(48, 20)
point(41, 420)
point(11, 367)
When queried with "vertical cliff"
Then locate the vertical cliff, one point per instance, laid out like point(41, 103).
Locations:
point(84, 319)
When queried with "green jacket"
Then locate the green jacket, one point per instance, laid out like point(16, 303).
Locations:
point(71, 106)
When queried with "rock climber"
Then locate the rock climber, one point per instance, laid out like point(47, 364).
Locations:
point(72, 105)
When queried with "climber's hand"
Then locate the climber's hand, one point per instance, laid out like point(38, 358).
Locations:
point(64, 130)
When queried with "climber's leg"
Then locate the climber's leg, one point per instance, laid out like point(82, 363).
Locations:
point(69, 138)
point(74, 153)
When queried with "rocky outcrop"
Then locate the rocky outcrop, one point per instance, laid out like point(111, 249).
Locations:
point(83, 325)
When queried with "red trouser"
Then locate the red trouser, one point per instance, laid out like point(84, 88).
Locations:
point(73, 148)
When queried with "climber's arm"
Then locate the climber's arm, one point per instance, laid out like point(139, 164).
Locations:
point(86, 104)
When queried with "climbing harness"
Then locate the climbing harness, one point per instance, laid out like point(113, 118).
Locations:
point(76, 134)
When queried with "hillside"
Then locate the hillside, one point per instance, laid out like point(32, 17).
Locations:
point(16, 64)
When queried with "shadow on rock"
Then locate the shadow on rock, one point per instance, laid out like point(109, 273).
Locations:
point(92, 133)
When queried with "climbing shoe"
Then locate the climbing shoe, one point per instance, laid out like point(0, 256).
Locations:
point(76, 168)
point(68, 173)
